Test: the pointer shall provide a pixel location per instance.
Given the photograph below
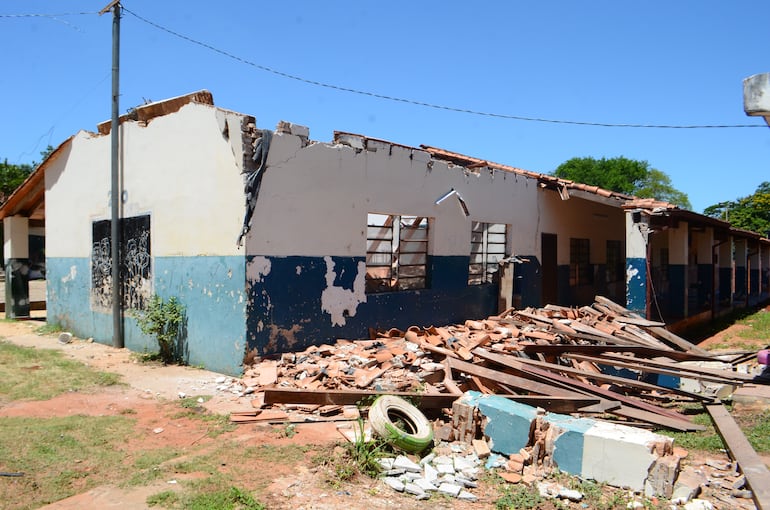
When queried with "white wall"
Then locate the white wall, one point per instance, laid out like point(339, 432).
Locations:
point(179, 168)
point(313, 198)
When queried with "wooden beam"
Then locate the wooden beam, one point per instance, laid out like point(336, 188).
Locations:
point(352, 397)
point(660, 332)
point(638, 351)
point(514, 381)
point(643, 411)
point(618, 361)
point(751, 464)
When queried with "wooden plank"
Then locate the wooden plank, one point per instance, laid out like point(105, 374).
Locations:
point(658, 331)
point(751, 464)
point(717, 372)
point(514, 381)
point(618, 361)
point(622, 381)
point(597, 349)
point(351, 397)
point(644, 411)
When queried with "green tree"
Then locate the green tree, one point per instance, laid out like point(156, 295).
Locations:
point(11, 176)
point(657, 185)
point(749, 213)
point(623, 175)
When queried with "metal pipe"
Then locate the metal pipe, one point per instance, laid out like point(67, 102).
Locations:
point(117, 329)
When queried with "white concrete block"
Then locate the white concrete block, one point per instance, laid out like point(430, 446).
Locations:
point(406, 464)
point(450, 489)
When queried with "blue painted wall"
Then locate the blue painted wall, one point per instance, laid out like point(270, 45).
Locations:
point(754, 277)
point(285, 309)
point(211, 288)
point(705, 282)
point(636, 285)
point(725, 292)
point(740, 281)
point(676, 291)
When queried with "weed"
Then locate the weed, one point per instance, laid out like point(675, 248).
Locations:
point(167, 499)
point(518, 497)
point(194, 402)
point(49, 329)
point(225, 499)
point(165, 320)
point(706, 440)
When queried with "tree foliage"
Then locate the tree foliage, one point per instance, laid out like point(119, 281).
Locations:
point(749, 213)
point(623, 175)
point(11, 176)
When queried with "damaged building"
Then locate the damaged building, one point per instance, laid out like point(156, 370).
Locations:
point(333, 239)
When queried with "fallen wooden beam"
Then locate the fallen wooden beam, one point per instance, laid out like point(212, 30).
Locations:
point(597, 349)
point(352, 397)
point(658, 331)
point(751, 464)
point(643, 412)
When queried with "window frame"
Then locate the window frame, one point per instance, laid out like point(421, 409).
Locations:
point(397, 250)
point(488, 246)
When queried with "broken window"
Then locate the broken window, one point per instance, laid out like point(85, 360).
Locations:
point(580, 262)
point(396, 252)
point(616, 262)
point(488, 242)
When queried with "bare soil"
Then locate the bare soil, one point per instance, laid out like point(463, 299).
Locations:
point(150, 398)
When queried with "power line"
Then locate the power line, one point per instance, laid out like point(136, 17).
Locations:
point(45, 15)
point(422, 103)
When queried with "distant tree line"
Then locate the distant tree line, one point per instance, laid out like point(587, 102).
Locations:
point(11, 175)
point(749, 213)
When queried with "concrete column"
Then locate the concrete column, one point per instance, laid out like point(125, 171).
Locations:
point(725, 288)
point(741, 292)
point(637, 238)
point(16, 252)
point(678, 253)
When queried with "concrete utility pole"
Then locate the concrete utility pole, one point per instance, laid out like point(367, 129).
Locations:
point(117, 323)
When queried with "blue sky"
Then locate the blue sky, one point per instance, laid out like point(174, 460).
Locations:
point(654, 62)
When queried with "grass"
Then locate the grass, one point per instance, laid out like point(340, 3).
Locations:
point(755, 426)
point(49, 329)
point(39, 374)
point(59, 457)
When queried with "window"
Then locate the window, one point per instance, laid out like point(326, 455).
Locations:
point(488, 242)
point(580, 262)
point(134, 259)
point(616, 262)
point(396, 253)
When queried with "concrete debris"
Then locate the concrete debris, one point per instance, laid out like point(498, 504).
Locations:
point(451, 470)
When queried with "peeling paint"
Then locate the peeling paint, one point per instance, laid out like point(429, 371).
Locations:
point(299, 270)
point(631, 273)
point(71, 275)
point(338, 301)
point(257, 268)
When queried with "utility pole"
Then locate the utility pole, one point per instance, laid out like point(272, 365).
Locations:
point(117, 323)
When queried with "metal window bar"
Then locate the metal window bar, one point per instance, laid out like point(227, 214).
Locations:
point(488, 244)
point(396, 253)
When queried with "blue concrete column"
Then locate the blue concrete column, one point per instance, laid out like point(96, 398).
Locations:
point(678, 253)
point(726, 273)
point(16, 252)
point(637, 238)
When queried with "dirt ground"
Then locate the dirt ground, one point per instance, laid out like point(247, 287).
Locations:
point(151, 394)
point(150, 397)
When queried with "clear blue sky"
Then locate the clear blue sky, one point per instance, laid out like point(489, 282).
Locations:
point(654, 62)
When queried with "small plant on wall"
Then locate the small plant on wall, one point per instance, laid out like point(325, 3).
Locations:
point(166, 321)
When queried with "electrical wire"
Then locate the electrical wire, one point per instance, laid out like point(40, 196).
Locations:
point(422, 103)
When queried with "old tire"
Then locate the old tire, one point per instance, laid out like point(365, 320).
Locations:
point(400, 424)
